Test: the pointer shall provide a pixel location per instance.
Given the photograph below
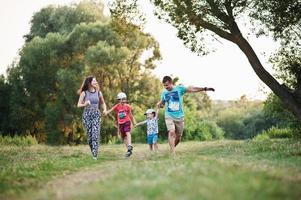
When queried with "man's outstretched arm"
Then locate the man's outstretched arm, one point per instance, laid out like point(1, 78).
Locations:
point(192, 89)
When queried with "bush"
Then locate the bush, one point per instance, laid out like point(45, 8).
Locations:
point(261, 137)
point(208, 130)
point(18, 140)
point(243, 122)
point(274, 132)
point(231, 121)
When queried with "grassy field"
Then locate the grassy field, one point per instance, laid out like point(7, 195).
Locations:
point(200, 170)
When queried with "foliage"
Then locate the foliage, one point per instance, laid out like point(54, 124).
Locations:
point(202, 23)
point(208, 130)
point(282, 18)
point(261, 137)
point(242, 119)
point(4, 107)
point(287, 65)
point(275, 110)
point(18, 140)
point(62, 19)
point(66, 44)
point(275, 132)
point(279, 133)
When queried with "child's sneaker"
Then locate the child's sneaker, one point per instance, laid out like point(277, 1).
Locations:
point(130, 148)
point(130, 151)
point(128, 154)
point(94, 158)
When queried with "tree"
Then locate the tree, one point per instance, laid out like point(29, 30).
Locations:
point(63, 19)
point(282, 18)
point(56, 58)
point(4, 107)
point(195, 20)
point(281, 117)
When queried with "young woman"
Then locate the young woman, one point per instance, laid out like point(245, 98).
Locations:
point(89, 98)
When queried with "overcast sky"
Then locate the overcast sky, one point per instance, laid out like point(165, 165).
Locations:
point(227, 70)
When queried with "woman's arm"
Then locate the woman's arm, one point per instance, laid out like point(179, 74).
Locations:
point(103, 103)
point(108, 111)
point(81, 102)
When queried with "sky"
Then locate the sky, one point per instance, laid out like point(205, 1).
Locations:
point(227, 69)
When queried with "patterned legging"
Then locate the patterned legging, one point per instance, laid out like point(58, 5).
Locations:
point(91, 120)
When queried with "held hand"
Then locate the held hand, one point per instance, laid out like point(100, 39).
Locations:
point(105, 113)
point(87, 103)
point(160, 105)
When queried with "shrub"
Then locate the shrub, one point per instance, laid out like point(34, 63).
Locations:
point(208, 130)
point(274, 132)
point(18, 140)
point(261, 137)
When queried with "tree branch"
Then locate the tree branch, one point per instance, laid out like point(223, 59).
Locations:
point(199, 22)
point(216, 11)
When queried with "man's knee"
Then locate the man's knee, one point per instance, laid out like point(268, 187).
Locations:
point(172, 133)
point(178, 136)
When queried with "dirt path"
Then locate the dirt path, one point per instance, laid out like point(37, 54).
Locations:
point(64, 187)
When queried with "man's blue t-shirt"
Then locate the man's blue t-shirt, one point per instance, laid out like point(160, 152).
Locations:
point(174, 101)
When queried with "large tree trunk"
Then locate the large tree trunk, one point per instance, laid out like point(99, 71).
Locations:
point(228, 29)
point(281, 91)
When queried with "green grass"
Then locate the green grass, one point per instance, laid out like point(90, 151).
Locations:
point(22, 168)
point(269, 169)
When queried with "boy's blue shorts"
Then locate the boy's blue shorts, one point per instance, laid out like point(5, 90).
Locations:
point(152, 138)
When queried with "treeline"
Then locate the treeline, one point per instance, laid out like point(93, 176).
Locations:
point(66, 43)
point(243, 118)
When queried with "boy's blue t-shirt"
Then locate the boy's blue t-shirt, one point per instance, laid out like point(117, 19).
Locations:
point(174, 101)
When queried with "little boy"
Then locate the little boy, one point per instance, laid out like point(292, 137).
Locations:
point(125, 119)
point(152, 128)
